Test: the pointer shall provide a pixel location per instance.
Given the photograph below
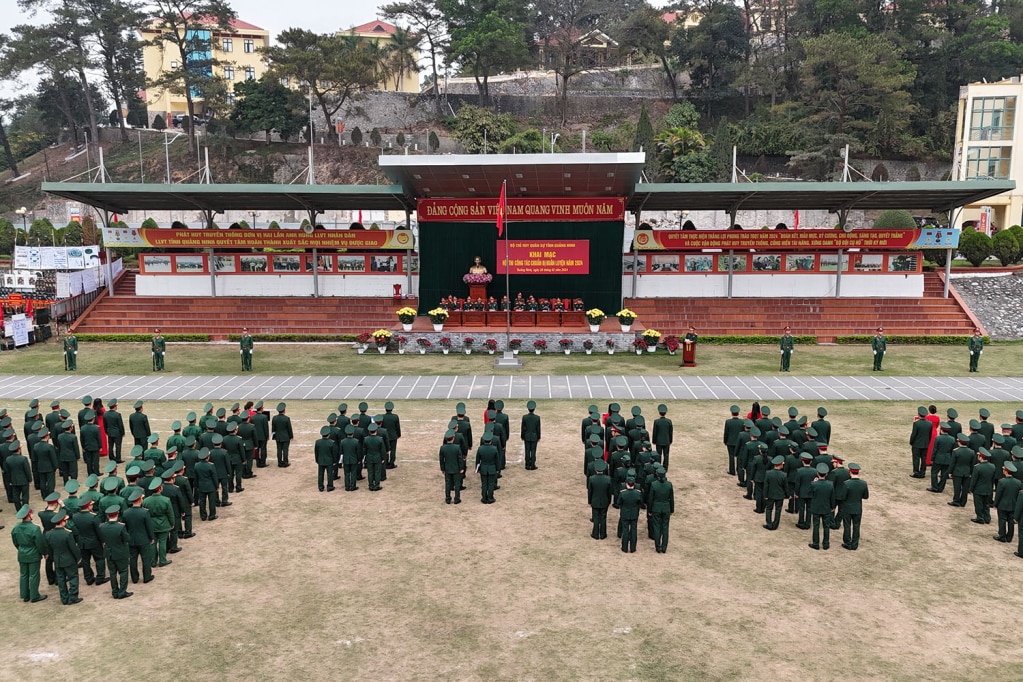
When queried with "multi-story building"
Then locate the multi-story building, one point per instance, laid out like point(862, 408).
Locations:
point(237, 51)
point(989, 145)
point(386, 37)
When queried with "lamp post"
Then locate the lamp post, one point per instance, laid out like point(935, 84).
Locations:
point(23, 212)
point(254, 215)
point(166, 151)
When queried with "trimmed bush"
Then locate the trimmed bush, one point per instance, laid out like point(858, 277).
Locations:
point(1004, 247)
point(895, 219)
point(141, 338)
point(908, 340)
point(756, 339)
point(975, 246)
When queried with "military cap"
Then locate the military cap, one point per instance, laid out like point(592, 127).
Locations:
point(33, 404)
point(838, 458)
point(110, 467)
point(259, 405)
point(974, 424)
point(388, 405)
point(55, 403)
point(1006, 427)
point(734, 409)
point(616, 419)
point(167, 475)
point(189, 440)
point(748, 423)
point(765, 410)
point(822, 468)
point(373, 427)
point(134, 495)
point(449, 434)
point(8, 433)
point(943, 426)
point(487, 436)
point(822, 446)
point(148, 465)
point(138, 404)
point(998, 438)
point(177, 466)
point(208, 407)
point(1010, 467)
point(378, 418)
point(153, 438)
point(783, 430)
point(661, 471)
point(822, 412)
point(349, 430)
point(639, 421)
point(793, 412)
point(325, 431)
point(176, 426)
point(531, 405)
point(109, 484)
point(802, 420)
point(204, 453)
point(636, 411)
point(922, 411)
point(190, 417)
point(52, 497)
point(491, 414)
point(622, 441)
point(343, 407)
point(210, 423)
point(43, 433)
point(232, 427)
point(112, 402)
point(762, 446)
point(91, 480)
point(592, 408)
point(172, 450)
point(217, 439)
point(236, 407)
point(777, 459)
point(61, 515)
point(85, 502)
point(155, 484)
point(221, 412)
point(89, 415)
point(87, 400)
point(614, 407)
point(14, 446)
point(755, 431)
point(64, 414)
point(113, 510)
point(594, 438)
point(600, 465)
point(594, 415)
point(453, 424)
point(984, 412)
point(626, 458)
point(32, 414)
point(983, 452)
point(133, 471)
point(963, 437)
point(630, 478)
point(776, 421)
point(1019, 414)
point(71, 487)
point(281, 407)
point(136, 450)
point(23, 512)
point(363, 406)
point(806, 457)
point(460, 409)
point(854, 467)
point(331, 418)
point(498, 405)
point(3, 412)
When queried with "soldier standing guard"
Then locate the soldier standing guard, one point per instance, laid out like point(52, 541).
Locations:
point(246, 350)
point(787, 344)
point(159, 349)
point(976, 346)
point(879, 345)
point(530, 434)
point(663, 435)
point(70, 352)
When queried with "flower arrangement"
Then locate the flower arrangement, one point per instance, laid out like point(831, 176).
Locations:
point(482, 278)
point(625, 316)
point(540, 344)
point(468, 341)
point(595, 316)
point(490, 344)
point(382, 337)
point(588, 344)
point(407, 315)
point(438, 316)
point(639, 344)
point(364, 338)
point(423, 342)
point(652, 336)
point(445, 342)
point(565, 343)
point(671, 343)
point(515, 344)
point(609, 343)
point(401, 340)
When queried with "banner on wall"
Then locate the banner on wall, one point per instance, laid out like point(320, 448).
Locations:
point(791, 240)
point(358, 240)
point(545, 257)
point(55, 257)
point(549, 209)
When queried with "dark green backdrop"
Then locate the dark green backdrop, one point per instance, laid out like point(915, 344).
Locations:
point(446, 250)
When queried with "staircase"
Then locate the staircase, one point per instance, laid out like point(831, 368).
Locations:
point(825, 318)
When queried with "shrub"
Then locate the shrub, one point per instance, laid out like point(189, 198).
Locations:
point(1005, 247)
point(356, 135)
point(149, 223)
point(1017, 232)
point(975, 246)
point(159, 122)
point(895, 219)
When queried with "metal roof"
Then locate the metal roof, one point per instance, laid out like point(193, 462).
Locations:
point(831, 196)
point(123, 197)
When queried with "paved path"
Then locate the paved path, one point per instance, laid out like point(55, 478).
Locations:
point(264, 387)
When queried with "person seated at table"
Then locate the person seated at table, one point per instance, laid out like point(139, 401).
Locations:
point(557, 305)
point(520, 303)
point(545, 305)
point(577, 305)
point(505, 303)
point(443, 305)
point(492, 303)
point(478, 304)
point(531, 304)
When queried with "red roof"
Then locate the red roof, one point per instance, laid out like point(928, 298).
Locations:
point(376, 26)
point(236, 24)
point(670, 17)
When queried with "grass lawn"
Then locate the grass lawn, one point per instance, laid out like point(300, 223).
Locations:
point(302, 359)
point(294, 584)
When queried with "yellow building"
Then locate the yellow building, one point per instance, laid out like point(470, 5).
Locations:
point(237, 50)
point(989, 145)
point(397, 74)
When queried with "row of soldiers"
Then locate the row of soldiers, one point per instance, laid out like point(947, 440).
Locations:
point(351, 445)
point(129, 526)
point(158, 348)
point(624, 470)
point(777, 462)
point(979, 460)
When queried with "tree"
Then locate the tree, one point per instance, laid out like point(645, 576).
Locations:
point(266, 105)
point(433, 141)
point(563, 25)
point(895, 219)
point(400, 55)
point(715, 53)
point(186, 26)
point(6, 70)
point(59, 105)
point(426, 17)
point(974, 246)
point(481, 130)
point(399, 139)
point(374, 137)
point(1004, 247)
point(159, 123)
point(487, 36)
point(526, 142)
point(334, 68)
point(644, 30)
point(356, 136)
point(644, 142)
point(685, 155)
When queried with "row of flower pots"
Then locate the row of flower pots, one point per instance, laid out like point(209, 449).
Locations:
point(438, 316)
point(382, 338)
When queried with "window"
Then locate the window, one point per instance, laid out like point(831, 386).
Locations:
point(988, 162)
point(285, 81)
point(230, 98)
point(174, 63)
point(250, 45)
point(250, 73)
point(227, 44)
point(229, 73)
point(992, 118)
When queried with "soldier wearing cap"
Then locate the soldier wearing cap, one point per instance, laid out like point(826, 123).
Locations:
point(161, 512)
point(68, 452)
point(663, 434)
point(982, 482)
point(452, 466)
point(486, 465)
point(822, 501)
point(787, 344)
point(850, 506)
point(745, 455)
point(153, 453)
point(805, 476)
point(159, 349)
point(734, 428)
point(247, 432)
point(351, 454)
point(941, 458)
point(629, 502)
point(116, 550)
point(66, 555)
point(775, 482)
point(599, 491)
point(45, 456)
point(660, 504)
point(206, 486)
point(879, 345)
point(822, 426)
point(87, 524)
point(529, 432)
point(963, 459)
point(1006, 493)
point(761, 463)
point(218, 456)
point(323, 453)
point(92, 490)
point(138, 424)
point(986, 428)
point(282, 434)
point(245, 349)
point(92, 442)
point(141, 537)
point(375, 449)
point(392, 423)
point(976, 347)
point(19, 472)
point(113, 426)
point(31, 546)
point(838, 475)
point(235, 458)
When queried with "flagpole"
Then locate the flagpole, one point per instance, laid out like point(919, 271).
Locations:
point(507, 268)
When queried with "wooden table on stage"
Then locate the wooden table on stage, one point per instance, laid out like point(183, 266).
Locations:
point(523, 318)
point(548, 318)
point(574, 318)
point(688, 354)
point(474, 318)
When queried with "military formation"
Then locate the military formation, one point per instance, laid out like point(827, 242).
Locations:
point(158, 350)
point(626, 467)
point(787, 465)
point(109, 529)
point(362, 446)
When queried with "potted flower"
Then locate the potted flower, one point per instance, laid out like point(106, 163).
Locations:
point(424, 344)
point(652, 338)
point(445, 344)
point(588, 346)
point(671, 343)
point(407, 316)
point(363, 341)
point(610, 345)
point(438, 316)
point(515, 345)
point(595, 316)
point(566, 345)
point(639, 345)
point(401, 344)
point(625, 318)
point(490, 345)
point(467, 344)
point(540, 345)
point(383, 338)
point(478, 278)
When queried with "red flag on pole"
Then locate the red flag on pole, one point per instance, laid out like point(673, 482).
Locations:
point(797, 218)
point(501, 206)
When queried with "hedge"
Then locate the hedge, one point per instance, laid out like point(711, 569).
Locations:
point(760, 340)
point(911, 340)
point(139, 338)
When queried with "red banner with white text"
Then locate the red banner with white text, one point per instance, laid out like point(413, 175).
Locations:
point(518, 209)
point(545, 257)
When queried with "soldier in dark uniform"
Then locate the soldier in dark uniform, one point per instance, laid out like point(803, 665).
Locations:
point(218, 456)
point(141, 538)
point(323, 453)
point(91, 440)
point(733, 427)
point(261, 422)
point(116, 549)
point(282, 434)
point(19, 471)
point(351, 450)
point(629, 502)
point(66, 555)
point(660, 504)
point(1006, 493)
point(486, 465)
point(452, 466)
point(245, 349)
point(986, 428)
point(787, 344)
point(879, 345)
point(805, 477)
point(530, 434)
point(392, 423)
point(838, 476)
point(850, 506)
point(663, 434)
point(775, 482)
point(976, 348)
point(87, 525)
point(822, 501)
point(822, 426)
point(206, 485)
point(598, 496)
point(982, 486)
point(31, 546)
point(138, 424)
point(159, 349)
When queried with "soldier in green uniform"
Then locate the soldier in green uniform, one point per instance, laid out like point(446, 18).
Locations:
point(760, 464)
point(86, 524)
point(245, 346)
point(19, 471)
point(775, 482)
point(392, 423)
point(660, 504)
point(113, 425)
point(1006, 493)
point(822, 501)
point(879, 345)
point(375, 449)
point(822, 426)
point(70, 352)
point(941, 459)
point(116, 549)
point(178, 504)
point(31, 546)
point(161, 513)
point(282, 434)
point(68, 452)
point(452, 466)
point(529, 432)
point(787, 344)
point(138, 424)
point(733, 429)
point(351, 453)
point(45, 456)
point(159, 348)
point(140, 537)
point(982, 482)
point(629, 502)
point(663, 434)
point(235, 458)
point(206, 486)
point(218, 456)
point(976, 346)
point(985, 428)
point(92, 442)
point(487, 455)
point(850, 506)
point(261, 423)
point(920, 442)
point(598, 496)
point(803, 491)
point(61, 545)
point(323, 453)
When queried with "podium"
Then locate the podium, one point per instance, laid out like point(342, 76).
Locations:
point(478, 291)
point(689, 354)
